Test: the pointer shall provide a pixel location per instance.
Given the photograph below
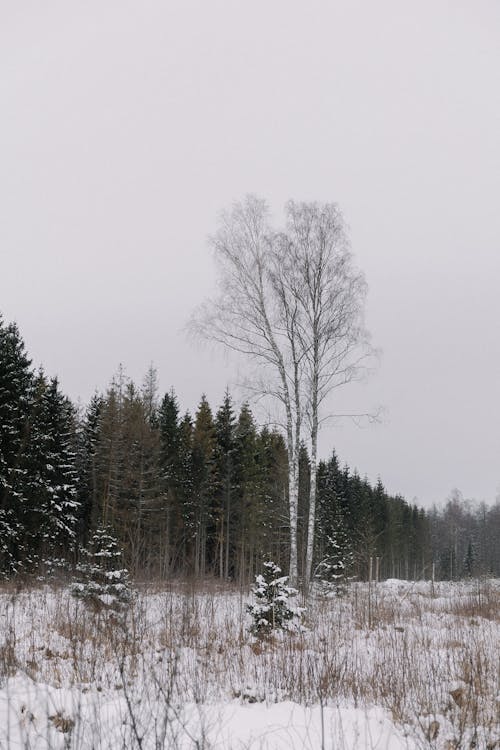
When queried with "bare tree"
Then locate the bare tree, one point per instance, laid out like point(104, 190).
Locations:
point(330, 294)
point(293, 302)
point(249, 317)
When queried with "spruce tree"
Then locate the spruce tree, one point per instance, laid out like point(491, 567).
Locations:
point(186, 494)
point(51, 487)
point(15, 400)
point(170, 478)
point(249, 521)
point(334, 555)
point(102, 580)
point(225, 449)
point(87, 455)
point(272, 478)
point(273, 608)
point(332, 571)
point(108, 459)
point(168, 423)
point(380, 516)
point(203, 458)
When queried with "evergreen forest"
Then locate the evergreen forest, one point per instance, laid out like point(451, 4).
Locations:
point(200, 494)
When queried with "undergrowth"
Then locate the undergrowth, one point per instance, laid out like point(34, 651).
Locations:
point(428, 655)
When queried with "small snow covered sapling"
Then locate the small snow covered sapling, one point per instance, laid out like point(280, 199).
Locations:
point(273, 608)
point(103, 582)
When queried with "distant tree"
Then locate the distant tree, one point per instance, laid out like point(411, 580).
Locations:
point(249, 519)
point(454, 527)
point(168, 422)
point(186, 492)
point(225, 480)
point(470, 560)
point(129, 491)
point(272, 478)
point(149, 394)
point(109, 455)
point(139, 503)
point(203, 463)
point(334, 549)
point(380, 514)
point(490, 537)
point(171, 479)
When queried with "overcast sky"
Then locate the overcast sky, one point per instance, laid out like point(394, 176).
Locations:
point(126, 126)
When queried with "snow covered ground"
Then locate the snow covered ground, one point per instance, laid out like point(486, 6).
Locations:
point(403, 666)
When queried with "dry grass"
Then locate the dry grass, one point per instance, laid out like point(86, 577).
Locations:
point(431, 658)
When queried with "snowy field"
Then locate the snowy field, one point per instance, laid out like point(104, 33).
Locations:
point(405, 666)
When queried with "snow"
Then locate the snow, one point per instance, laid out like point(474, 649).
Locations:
point(31, 712)
point(180, 668)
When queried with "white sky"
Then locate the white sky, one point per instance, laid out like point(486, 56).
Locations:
point(126, 126)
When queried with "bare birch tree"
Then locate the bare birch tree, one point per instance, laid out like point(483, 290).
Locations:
point(330, 294)
point(249, 317)
point(292, 301)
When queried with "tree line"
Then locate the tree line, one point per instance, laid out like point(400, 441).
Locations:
point(198, 495)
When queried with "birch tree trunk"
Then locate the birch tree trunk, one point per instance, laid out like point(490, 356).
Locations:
point(311, 521)
point(293, 502)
